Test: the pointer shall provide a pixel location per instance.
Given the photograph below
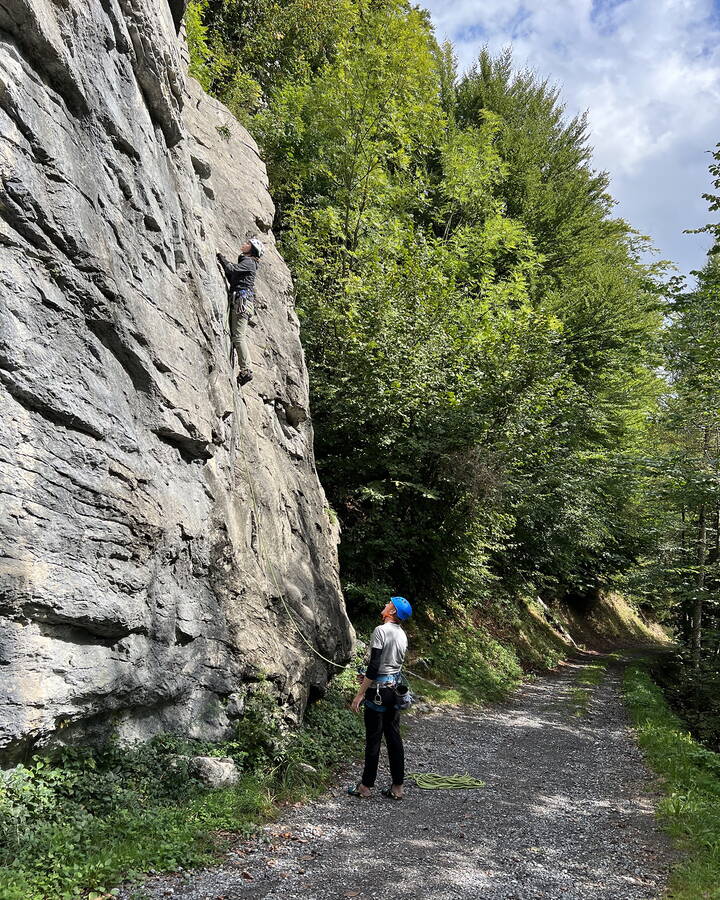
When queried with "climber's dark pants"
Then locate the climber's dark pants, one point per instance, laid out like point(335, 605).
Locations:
point(377, 724)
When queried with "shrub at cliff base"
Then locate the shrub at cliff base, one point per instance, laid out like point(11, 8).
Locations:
point(80, 821)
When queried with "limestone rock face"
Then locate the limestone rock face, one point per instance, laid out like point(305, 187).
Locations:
point(164, 537)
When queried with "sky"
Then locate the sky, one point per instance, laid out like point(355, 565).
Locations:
point(648, 74)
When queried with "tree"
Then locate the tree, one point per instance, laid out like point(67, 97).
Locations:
point(481, 336)
point(714, 204)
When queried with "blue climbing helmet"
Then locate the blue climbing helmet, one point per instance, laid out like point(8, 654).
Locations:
point(402, 608)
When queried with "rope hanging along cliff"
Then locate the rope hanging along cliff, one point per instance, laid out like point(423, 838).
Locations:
point(234, 436)
point(268, 563)
point(271, 568)
point(256, 511)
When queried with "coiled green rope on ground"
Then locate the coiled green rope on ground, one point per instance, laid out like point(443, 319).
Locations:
point(431, 781)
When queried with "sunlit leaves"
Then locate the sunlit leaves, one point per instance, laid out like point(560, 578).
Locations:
point(481, 336)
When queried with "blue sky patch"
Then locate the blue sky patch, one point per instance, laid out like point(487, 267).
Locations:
point(647, 72)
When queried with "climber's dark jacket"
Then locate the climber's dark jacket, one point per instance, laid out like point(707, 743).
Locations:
point(240, 275)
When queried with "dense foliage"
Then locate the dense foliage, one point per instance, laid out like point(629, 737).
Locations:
point(481, 334)
point(77, 821)
point(678, 577)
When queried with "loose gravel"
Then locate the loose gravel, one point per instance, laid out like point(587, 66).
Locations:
point(567, 812)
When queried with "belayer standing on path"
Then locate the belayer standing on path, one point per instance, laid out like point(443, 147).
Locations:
point(379, 690)
point(241, 296)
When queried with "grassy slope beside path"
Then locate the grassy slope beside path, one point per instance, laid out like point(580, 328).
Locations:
point(483, 654)
point(691, 781)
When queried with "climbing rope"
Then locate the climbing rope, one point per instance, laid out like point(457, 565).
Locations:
point(431, 781)
point(246, 471)
point(234, 433)
point(270, 566)
point(422, 678)
point(273, 575)
point(266, 561)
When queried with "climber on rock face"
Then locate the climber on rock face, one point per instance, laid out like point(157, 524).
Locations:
point(241, 296)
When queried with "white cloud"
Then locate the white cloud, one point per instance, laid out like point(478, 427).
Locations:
point(647, 72)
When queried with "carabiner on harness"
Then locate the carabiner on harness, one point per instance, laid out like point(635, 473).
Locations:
point(243, 299)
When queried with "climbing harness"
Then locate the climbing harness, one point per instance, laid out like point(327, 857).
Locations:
point(243, 298)
point(390, 691)
point(431, 781)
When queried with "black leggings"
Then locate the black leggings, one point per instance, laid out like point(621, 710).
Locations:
point(377, 724)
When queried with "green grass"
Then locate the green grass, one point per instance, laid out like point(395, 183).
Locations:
point(580, 700)
point(471, 665)
point(592, 674)
point(77, 823)
point(690, 774)
point(90, 853)
point(475, 658)
point(588, 677)
point(437, 694)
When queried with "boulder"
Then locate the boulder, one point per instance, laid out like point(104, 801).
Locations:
point(215, 772)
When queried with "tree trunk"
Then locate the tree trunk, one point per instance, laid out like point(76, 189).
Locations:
point(701, 558)
point(686, 607)
point(699, 588)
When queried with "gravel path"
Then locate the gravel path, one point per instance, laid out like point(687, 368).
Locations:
point(567, 812)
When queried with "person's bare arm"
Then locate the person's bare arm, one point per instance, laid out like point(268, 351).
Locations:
point(370, 675)
point(358, 698)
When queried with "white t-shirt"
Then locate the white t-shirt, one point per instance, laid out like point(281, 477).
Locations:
point(392, 641)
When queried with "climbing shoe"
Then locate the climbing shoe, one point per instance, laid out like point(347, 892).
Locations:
point(244, 376)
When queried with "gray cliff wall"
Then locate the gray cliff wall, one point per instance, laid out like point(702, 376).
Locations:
point(152, 515)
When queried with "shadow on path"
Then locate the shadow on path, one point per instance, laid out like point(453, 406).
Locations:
point(567, 812)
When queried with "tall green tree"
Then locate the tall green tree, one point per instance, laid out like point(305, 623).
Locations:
point(481, 334)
